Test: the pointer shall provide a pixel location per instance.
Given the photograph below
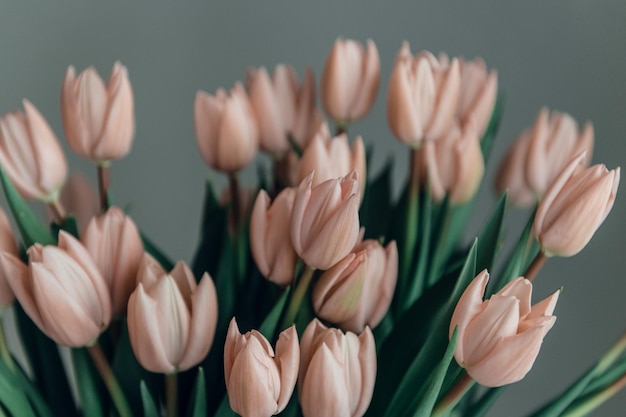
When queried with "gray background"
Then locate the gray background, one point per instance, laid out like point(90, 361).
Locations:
point(568, 55)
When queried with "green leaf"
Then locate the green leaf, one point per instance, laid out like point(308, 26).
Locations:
point(87, 380)
point(484, 404)
point(149, 407)
point(269, 327)
point(31, 229)
point(12, 397)
point(377, 200)
point(489, 237)
point(157, 253)
point(199, 402)
point(212, 230)
point(26, 385)
point(432, 389)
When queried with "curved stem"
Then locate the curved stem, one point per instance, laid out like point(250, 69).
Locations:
point(171, 393)
point(117, 395)
point(535, 266)
point(453, 396)
point(4, 349)
point(104, 182)
point(297, 297)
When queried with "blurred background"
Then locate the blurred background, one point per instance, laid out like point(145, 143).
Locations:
point(567, 55)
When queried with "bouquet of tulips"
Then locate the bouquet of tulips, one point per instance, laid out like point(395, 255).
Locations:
point(316, 293)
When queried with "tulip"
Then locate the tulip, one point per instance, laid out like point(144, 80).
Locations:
point(332, 158)
point(61, 290)
point(269, 236)
point(477, 94)
point(358, 290)
point(574, 207)
point(337, 371)
point(350, 80)
point(325, 220)
point(171, 319)
point(31, 155)
point(422, 97)
point(226, 129)
point(454, 164)
point(498, 340)
point(259, 383)
point(540, 154)
point(114, 243)
point(80, 199)
point(99, 120)
point(307, 117)
point(8, 245)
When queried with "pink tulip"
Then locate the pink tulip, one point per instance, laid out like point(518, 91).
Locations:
point(79, 198)
point(350, 80)
point(325, 220)
point(337, 371)
point(8, 245)
point(307, 117)
point(358, 290)
point(479, 88)
point(269, 236)
point(511, 176)
point(61, 290)
point(114, 243)
point(574, 207)
point(423, 96)
point(99, 120)
point(171, 319)
point(31, 155)
point(226, 129)
point(498, 339)
point(259, 383)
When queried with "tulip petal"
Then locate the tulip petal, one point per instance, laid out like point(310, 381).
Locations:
point(288, 361)
point(18, 277)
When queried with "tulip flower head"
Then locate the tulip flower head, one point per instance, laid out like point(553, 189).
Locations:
point(479, 88)
point(498, 339)
point(171, 319)
point(325, 220)
point(574, 207)
point(7, 244)
point(307, 117)
point(31, 155)
point(337, 371)
point(350, 80)
point(99, 119)
point(259, 382)
point(61, 290)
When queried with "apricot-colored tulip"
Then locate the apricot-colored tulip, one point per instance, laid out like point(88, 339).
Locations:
point(7, 244)
point(479, 88)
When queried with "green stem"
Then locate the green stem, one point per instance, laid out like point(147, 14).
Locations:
point(596, 400)
point(412, 213)
point(4, 350)
point(611, 355)
point(535, 266)
point(452, 397)
point(117, 395)
point(171, 392)
point(297, 297)
point(104, 182)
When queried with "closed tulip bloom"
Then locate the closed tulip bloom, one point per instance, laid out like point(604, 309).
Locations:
point(226, 129)
point(270, 242)
point(332, 158)
point(99, 119)
point(454, 164)
point(114, 243)
point(259, 382)
point(171, 319)
point(350, 80)
point(337, 371)
point(307, 117)
point(325, 220)
point(479, 88)
point(79, 197)
point(511, 176)
point(61, 290)
point(358, 290)
point(31, 155)
point(498, 339)
point(8, 245)
point(274, 104)
point(574, 207)
point(423, 96)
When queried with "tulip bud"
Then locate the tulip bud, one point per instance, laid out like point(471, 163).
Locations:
point(259, 383)
point(99, 120)
point(454, 164)
point(350, 80)
point(477, 95)
point(325, 220)
point(307, 117)
point(269, 236)
point(574, 207)
point(8, 245)
point(114, 243)
point(171, 319)
point(31, 155)
point(358, 290)
point(540, 154)
point(498, 340)
point(80, 199)
point(226, 129)
point(332, 158)
point(423, 96)
point(337, 371)
point(61, 290)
